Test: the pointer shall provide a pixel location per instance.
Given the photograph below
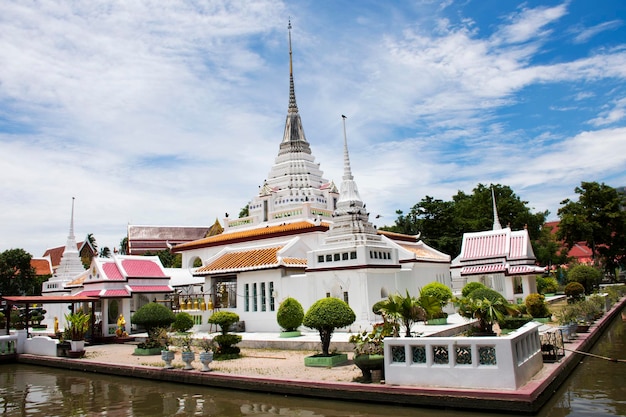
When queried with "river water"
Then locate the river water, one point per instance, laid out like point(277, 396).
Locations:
point(596, 388)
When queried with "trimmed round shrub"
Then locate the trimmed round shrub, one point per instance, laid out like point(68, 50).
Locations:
point(153, 316)
point(588, 276)
point(290, 314)
point(536, 305)
point(471, 286)
point(225, 344)
point(488, 293)
point(574, 291)
point(182, 322)
point(439, 291)
point(547, 285)
point(224, 319)
point(326, 315)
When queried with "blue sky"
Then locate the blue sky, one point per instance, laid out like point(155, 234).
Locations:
point(171, 113)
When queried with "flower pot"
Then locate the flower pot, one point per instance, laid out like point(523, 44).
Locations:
point(438, 321)
point(77, 345)
point(168, 357)
point(582, 328)
point(205, 359)
point(369, 363)
point(325, 361)
point(188, 357)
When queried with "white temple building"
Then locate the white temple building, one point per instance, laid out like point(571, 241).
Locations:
point(306, 239)
point(501, 259)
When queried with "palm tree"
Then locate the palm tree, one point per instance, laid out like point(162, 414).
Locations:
point(406, 310)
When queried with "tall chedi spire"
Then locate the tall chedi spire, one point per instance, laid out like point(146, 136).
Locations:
point(70, 265)
point(295, 188)
point(351, 219)
point(496, 220)
point(293, 138)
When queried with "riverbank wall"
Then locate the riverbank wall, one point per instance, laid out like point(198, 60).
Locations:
point(526, 400)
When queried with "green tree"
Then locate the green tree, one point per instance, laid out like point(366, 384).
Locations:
point(441, 224)
point(153, 317)
point(124, 246)
point(167, 258)
point(17, 277)
point(597, 218)
point(245, 211)
point(587, 276)
point(326, 315)
point(105, 252)
point(548, 250)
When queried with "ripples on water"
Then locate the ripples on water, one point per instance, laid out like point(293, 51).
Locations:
point(596, 388)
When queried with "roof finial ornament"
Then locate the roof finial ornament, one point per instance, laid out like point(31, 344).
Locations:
point(71, 235)
point(293, 107)
point(496, 220)
point(347, 172)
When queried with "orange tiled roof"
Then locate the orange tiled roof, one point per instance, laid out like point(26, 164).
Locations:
point(421, 252)
point(251, 234)
point(248, 260)
point(41, 266)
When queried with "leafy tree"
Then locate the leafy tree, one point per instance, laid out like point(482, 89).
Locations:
point(326, 315)
point(182, 322)
point(92, 241)
point(105, 252)
point(548, 250)
point(124, 246)
point(597, 218)
point(224, 319)
point(245, 211)
point(17, 277)
point(442, 223)
point(167, 258)
point(587, 276)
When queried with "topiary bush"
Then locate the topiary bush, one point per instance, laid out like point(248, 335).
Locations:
point(547, 285)
point(155, 318)
point(536, 306)
point(437, 290)
point(326, 315)
point(290, 314)
point(488, 293)
point(471, 286)
point(224, 319)
point(152, 316)
point(588, 276)
point(225, 345)
point(574, 292)
point(183, 322)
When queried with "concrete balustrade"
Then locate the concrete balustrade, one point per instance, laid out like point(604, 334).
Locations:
point(505, 362)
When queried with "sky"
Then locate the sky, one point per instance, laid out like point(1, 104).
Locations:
point(171, 113)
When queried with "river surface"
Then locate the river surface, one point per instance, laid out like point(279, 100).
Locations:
point(596, 388)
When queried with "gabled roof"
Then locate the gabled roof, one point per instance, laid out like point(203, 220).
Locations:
point(284, 229)
point(247, 260)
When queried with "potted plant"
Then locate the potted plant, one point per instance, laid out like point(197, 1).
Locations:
point(225, 341)
point(206, 356)
point(77, 327)
point(369, 349)
point(165, 341)
point(289, 317)
point(326, 315)
point(187, 354)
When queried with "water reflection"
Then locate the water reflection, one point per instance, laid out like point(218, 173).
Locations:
point(596, 388)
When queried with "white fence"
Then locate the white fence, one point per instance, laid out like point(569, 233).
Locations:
point(505, 362)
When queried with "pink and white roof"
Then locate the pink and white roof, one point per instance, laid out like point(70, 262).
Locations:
point(123, 275)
